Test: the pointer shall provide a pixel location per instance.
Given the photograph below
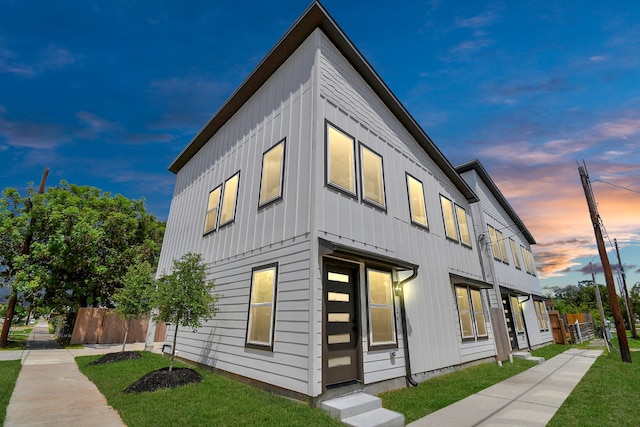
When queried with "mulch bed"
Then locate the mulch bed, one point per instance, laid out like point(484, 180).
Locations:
point(116, 357)
point(162, 378)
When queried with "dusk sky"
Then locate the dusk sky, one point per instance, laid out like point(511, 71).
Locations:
point(109, 93)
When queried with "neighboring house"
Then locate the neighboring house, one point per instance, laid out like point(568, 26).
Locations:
point(339, 237)
point(508, 261)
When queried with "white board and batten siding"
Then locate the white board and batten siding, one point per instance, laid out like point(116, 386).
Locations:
point(348, 103)
point(279, 232)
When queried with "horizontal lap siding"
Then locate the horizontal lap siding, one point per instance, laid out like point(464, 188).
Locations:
point(278, 232)
point(220, 342)
point(348, 103)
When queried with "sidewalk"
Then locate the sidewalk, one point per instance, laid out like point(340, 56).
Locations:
point(530, 398)
point(51, 390)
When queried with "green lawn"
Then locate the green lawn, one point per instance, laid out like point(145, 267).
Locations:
point(444, 390)
point(217, 400)
point(607, 395)
point(550, 350)
point(9, 371)
point(18, 337)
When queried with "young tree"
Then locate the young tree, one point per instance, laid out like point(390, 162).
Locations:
point(184, 297)
point(133, 300)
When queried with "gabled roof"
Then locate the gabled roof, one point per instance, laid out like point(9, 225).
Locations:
point(484, 176)
point(317, 17)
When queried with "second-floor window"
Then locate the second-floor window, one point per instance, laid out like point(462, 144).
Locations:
point(372, 177)
point(450, 226)
point(417, 207)
point(341, 170)
point(272, 174)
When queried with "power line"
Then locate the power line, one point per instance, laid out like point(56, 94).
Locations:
point(616, 185)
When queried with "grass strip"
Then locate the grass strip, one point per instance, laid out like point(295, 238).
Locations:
point(9, 371)
point(444, 390)
point(216, 400)
point(606, 396)
point(550, 351)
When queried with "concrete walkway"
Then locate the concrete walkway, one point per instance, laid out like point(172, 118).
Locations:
point(51, 390)
point(530, 398)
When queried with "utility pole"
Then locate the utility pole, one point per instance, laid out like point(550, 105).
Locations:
point(632, 320)
point(25, 250)
point(599, 300)
point(625, 354)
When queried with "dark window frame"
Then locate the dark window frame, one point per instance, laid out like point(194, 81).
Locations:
point(235, 207)
point(385, 346)
point(466, 221)
point(328, 183)
point(215, 224)
point(424, 202)
point(444, 219)
point(365, 200)
point(262, 204)
point(257, 345)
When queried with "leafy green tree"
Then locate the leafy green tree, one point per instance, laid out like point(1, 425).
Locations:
point(84, 242)
point(581, 298)
point(184, 297)
point(133, 300)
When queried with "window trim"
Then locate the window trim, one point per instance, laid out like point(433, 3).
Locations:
point(280, 195)
point(453, 218)
point(385, 345)
point(327, 165)
point(472, 312)
point(235, 202)
point(366, 200)
point(541, 314)
point(424, 202)
point(503, 247)
point(514, 252)
point(215, 220)
point(459, 208)
point(516, 310)
point(258, 344)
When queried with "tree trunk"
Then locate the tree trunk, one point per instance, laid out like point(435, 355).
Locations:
point(7, 319)
point(126, 333)
point(173, 347)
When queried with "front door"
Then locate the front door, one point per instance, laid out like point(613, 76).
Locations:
point(341, 364)
point(511, 328)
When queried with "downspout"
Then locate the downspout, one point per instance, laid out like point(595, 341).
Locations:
point(524, 322)
point(398, 286)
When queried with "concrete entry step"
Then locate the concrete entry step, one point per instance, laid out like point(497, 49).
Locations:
point(361, 409)
point(527, 356)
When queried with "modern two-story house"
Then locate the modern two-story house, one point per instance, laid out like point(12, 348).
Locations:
point(340, 238)
point(507, 261)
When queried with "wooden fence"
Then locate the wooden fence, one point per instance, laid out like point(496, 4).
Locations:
point(103, 326)
point(571, 328)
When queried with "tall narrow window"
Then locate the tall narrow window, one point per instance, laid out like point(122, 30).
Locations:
point(517, 314)
point(541, 313)
point(229, 198)
point(382, 327)
point(503, 249)
point(478, 313)
point(272, 174)
point(495, 246)
point(372, 177)
point(473, 323)
point(514, 253)
point(464, 311)
point(262, 306)
point(416, 202)
point(450, 227)
point(212, 210)
point(340, 160)
point(463, 225)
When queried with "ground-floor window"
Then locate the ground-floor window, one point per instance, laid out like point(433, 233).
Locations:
point(382, 326)
point(517, 314)
point(473, 323)
point(262, 306)
point(541, 313)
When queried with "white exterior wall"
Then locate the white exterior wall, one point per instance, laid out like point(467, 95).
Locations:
point(279, 232)
point(489, 212)
point(434, 333)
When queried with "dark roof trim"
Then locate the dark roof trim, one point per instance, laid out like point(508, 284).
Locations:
point(484, 175)
point(349, 252)
point(462, 280)
point(314, 17)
